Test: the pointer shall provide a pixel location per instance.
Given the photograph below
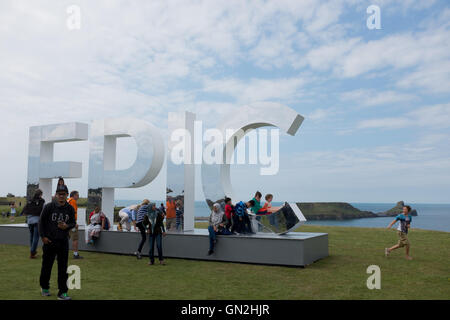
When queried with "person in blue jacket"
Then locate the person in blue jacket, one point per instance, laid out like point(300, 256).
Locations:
point(241, 218)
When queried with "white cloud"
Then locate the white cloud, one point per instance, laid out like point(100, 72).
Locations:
point(285, 89)
point(416, 59)
point(396, 51)
point(326, 14)
point(145, 59)
point(434, 78)
point(433, 139)
point(320, 114)
point(386, 173)
point(369, 98)
point(394, 6)
point(387, 123)
point(436, 116)
point(328, 56)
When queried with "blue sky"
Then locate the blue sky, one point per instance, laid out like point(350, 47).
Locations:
point(376, 102)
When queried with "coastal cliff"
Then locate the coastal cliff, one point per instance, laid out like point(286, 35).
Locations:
point(332, 211)
point(344, 211)
point(396, 211)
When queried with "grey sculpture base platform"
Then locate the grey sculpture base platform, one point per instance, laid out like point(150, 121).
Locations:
point(292, 249)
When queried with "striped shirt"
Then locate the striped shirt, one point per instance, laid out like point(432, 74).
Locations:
point(179, 213)
point(143, 210)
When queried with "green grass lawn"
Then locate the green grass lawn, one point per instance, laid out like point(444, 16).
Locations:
point(340, 276)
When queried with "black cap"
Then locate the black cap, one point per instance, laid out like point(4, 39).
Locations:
point(62, 188)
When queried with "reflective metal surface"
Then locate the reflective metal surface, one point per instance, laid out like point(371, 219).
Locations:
point(103, 176)
point(288, 218)
point(41, 167)
point(180, 187)
point(216, 179)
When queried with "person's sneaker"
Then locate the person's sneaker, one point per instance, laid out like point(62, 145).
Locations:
point(151, 263)
point(162, 263)
point(77, 256)
point(45, 292)
point(64, 296)
point(210, 252)
point(386, 252)
point(138, 255)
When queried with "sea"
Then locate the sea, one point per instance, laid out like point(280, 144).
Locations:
point(430, 216)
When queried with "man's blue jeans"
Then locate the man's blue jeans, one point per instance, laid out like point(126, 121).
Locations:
point(158, 239)
point(34, 237)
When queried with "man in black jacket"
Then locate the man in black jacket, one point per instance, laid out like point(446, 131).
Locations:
point(156, 230)
point(57, 218)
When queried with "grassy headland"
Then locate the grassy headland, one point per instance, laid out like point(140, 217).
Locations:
point(332, 211)
point(342, 275)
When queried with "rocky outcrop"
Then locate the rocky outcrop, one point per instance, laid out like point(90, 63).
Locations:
point(344, 211)
point(332, 211)
point(396, 211)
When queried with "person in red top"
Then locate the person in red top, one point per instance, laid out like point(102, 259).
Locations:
point(229, 210)
point(267, 208)
point(73, 233)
